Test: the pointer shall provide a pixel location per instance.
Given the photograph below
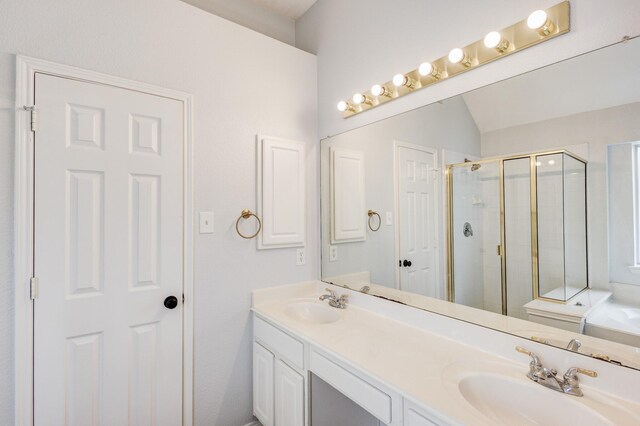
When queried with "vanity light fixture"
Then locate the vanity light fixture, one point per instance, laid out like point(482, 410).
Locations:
point(428, 69)
point(459, 56)
point(401, 80)
point(378, 90)
point(539, 20)
point(494, 40)
point(344, 106)
point(540, 26)
point(359, 98)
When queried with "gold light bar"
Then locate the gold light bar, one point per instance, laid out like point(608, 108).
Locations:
point(515, 38)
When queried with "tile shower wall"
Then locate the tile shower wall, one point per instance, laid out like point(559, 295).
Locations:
point(517, 190)
point(492, 263)
point(468, 207)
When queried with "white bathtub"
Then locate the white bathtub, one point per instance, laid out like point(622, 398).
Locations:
point(615, 321)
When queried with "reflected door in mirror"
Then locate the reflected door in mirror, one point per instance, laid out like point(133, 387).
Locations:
point(417, 219)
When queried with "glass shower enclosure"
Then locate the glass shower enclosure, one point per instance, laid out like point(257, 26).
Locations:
point(517, 231)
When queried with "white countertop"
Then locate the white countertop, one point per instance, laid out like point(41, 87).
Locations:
point(411, 360)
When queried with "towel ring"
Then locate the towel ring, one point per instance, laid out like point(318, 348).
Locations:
point(371, 213)
point(246, 214)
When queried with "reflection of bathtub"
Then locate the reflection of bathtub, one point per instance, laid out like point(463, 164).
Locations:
point(615, 321)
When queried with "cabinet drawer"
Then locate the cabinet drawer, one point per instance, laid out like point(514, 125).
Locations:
point(286, 346)
point(373, 399)
point(415, 416)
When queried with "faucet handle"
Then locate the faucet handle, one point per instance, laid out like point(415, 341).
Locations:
point(573, 372)
point(331, 292)
point(535, 360)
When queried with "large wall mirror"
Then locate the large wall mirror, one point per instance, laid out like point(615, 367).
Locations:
point(515, 206)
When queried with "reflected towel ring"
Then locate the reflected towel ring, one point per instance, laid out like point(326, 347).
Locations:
point(371, 213)
point(246, 214)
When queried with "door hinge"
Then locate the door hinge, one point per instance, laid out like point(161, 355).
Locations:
point(34, 116)
point(34, 287)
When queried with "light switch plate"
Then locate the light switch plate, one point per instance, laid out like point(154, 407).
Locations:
point(389, 219)
point(300, 257)
point(206, 222)
point(333, 253)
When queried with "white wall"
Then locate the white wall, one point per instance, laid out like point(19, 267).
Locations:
point(363, 42)
point(244, 83)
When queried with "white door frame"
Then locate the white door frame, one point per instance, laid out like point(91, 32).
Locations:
point(396, 205)
point(26, 68)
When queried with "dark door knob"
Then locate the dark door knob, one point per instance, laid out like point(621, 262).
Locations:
point(171, 302)
point(406, 263)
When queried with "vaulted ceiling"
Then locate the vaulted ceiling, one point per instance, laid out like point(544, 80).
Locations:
point(274, 18)
point(599, 80)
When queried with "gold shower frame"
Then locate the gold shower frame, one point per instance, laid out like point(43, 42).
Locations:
point(534, 223)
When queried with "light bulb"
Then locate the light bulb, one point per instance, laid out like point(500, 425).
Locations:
point(456, 55)
point(378, 90)
point(359, 98)
point(459, 56)
point(552, 162)
point(538, 163)
point(494, 40)
point(426, 68)
point(539, 20)
point(344, 106)
point(399, 80)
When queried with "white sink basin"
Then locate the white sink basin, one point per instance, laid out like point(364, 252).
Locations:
point(312, 312)
point(503, 395)
point(513, 402)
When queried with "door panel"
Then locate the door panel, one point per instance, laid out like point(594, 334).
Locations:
point(417, 218)
point(263, 385)
point(108, 251)
point(289, 390)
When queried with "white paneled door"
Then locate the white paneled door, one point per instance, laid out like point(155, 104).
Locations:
point(417, 219)
point(108, 255)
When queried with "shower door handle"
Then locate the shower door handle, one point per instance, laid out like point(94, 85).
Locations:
point(406, 263)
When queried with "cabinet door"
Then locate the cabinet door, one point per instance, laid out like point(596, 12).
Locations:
point(263, 362)
point(281, 193)
point(289, 396)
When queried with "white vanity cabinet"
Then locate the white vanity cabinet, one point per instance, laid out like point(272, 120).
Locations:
point(279, 380)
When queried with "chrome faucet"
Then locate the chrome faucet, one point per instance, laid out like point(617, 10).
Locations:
point(365, 289)
point(568, 383)
point(334, 300)
point(574, 345)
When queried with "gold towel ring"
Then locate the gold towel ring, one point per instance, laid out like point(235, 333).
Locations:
point(246, 214)
point(371, 213)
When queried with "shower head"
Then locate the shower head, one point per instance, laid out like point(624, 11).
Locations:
point(475, 167)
